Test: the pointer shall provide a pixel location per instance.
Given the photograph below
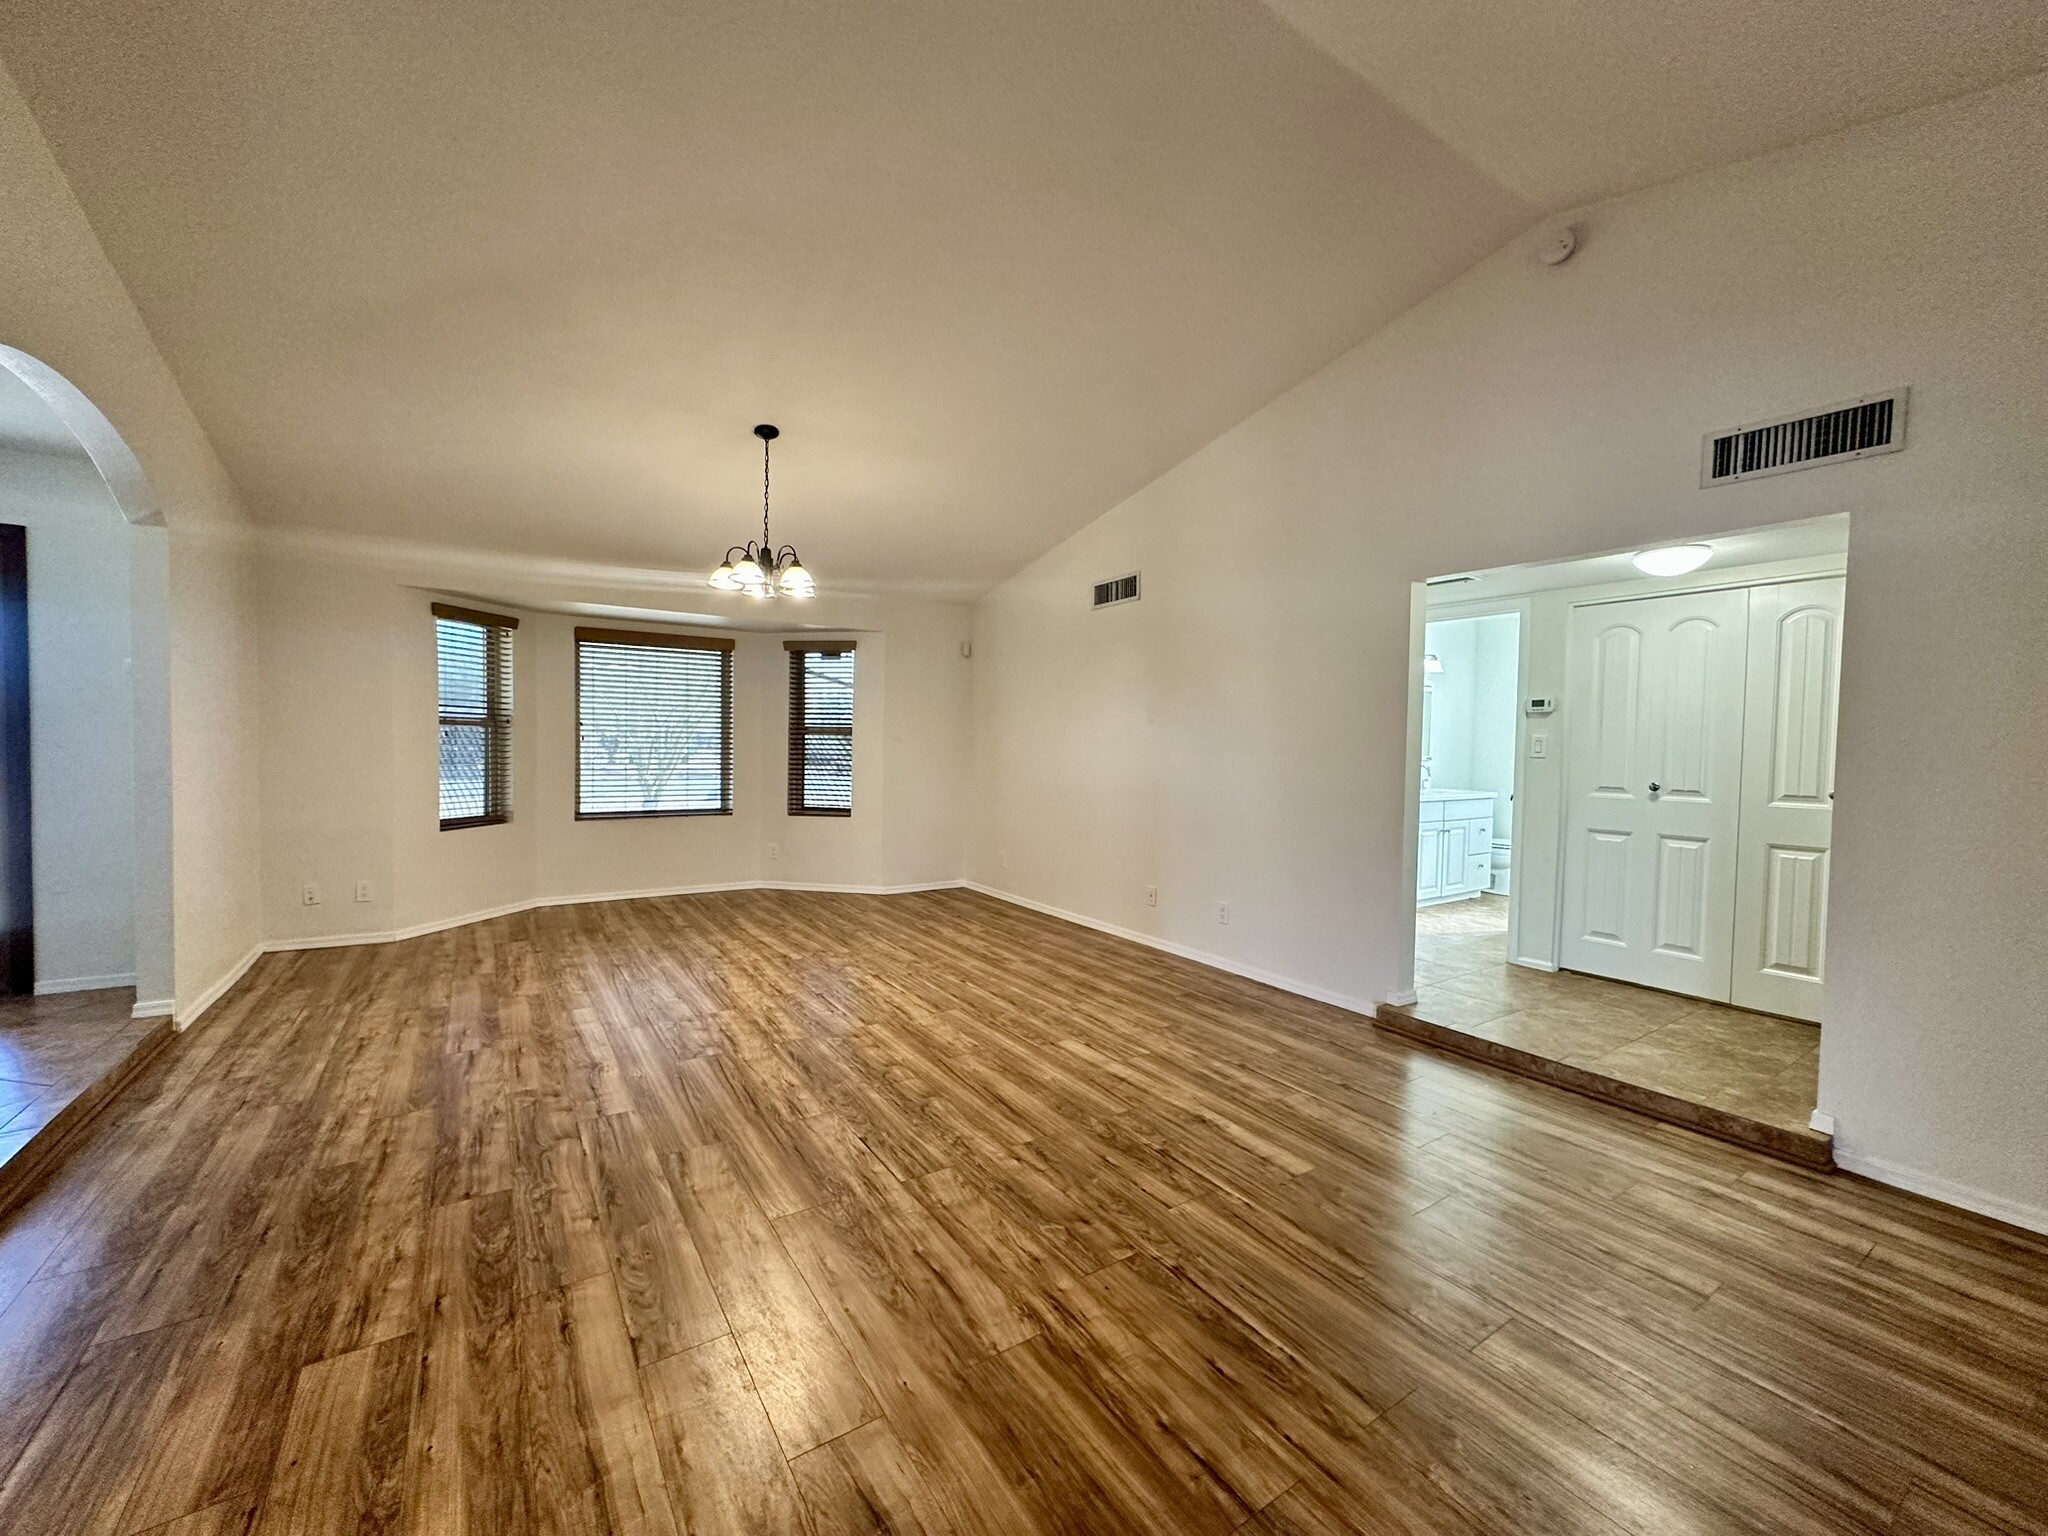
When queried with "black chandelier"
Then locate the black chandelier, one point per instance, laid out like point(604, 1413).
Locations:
point(761, 570)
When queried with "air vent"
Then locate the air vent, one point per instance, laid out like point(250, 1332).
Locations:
point(1855, 429)
point(1122, 590)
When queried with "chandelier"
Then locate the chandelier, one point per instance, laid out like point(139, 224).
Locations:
point(761, 570)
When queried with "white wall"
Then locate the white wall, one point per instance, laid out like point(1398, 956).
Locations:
point(81, 707)
point(61, 302)
point(1240, 733)
point(1474, 707)
point(350, 766)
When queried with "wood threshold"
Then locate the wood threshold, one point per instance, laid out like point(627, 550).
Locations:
point(45, 1151)
point(1809, 1149)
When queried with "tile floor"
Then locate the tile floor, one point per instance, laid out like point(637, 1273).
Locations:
point(1707, 1053)
point(52, 1049)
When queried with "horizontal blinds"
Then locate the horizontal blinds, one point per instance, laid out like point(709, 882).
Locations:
point(653, 724)
point(821, 730)
point(473, 654)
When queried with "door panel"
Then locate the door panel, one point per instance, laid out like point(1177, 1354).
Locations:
point(1655, 695)
point(1788, 781)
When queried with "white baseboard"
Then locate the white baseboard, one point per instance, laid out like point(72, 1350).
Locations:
point(1822, 1122)
point(2032, 1217)
point(188, 1016)
point(82, 984)
point(1401, 999)
point(1186, 952)
point(155, 1008)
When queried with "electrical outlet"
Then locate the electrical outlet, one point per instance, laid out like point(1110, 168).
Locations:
point(362, 890)
point(1003, 858)
point(775, 850)
point(1223, 913)
point(309, 896)
point(1151, 895)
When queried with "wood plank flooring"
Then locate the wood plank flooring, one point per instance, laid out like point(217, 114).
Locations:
point(787, 1213)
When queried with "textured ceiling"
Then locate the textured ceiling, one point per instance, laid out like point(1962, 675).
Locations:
point(1568, 101)
point(525, 275)
point(522, 276)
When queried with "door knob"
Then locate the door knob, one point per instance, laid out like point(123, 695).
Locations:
point(1655, 786)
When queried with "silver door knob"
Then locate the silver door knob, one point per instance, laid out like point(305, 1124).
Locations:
point(1655, 786)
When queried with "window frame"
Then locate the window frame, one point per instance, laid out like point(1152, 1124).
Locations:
point(496, 720)
point(800, 731)
point(657, 640)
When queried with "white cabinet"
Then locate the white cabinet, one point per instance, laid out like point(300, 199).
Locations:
point(1454, 845)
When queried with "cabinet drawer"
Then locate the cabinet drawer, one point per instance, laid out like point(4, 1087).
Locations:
point(1479, 871)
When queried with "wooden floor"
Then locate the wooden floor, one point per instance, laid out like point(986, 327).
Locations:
point(776, 1212)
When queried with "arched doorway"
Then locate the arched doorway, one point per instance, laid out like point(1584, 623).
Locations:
point(97, 692)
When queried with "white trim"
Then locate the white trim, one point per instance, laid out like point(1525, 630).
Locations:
point(442, 924)
point(2015, 1213)
point(1401, 999)
point(187, 1017)
point(155, 1008)
point(1821, 1121)
point(467, 563)
point(83, 984)
point(1218, 962)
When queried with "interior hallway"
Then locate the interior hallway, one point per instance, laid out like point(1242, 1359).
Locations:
point(780, 1212)
point(1748, 1064)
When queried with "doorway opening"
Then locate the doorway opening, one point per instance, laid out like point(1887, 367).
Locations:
point(1654, 800)
point(85, 850)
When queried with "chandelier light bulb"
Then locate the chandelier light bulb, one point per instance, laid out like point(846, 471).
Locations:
point(762, 570)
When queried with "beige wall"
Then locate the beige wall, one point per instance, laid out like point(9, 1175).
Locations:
point(61, 302)
point(349, 764)
point(1239, 735)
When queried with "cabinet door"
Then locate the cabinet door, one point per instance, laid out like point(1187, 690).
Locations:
point(1457, 844)
point(1429, 863)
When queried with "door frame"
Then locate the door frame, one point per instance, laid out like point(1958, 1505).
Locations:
point(1423, 613)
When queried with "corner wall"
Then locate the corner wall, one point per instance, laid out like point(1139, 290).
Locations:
point(350, 767)
point(62, 303)
point(1240, 733)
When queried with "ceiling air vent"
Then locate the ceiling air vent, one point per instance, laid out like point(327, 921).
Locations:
point(1124, 589)
point(1856, 429)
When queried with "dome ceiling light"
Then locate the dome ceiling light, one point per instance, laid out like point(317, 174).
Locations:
point(761, 570)
point(1677, 560)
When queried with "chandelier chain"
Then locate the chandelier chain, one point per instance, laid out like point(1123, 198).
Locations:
point(764, 494)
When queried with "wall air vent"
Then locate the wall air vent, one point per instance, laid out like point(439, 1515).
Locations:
point(1855, 429)
point(1124, 589)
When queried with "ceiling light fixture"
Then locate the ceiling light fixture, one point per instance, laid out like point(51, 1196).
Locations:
point(761, 570)
point(1676, 560)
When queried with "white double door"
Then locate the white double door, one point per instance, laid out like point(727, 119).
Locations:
point(1700, 791)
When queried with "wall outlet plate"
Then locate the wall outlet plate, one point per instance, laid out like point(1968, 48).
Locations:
point(1223, 913)
point(362, 890)
point(309, 896)
point(1151, 895)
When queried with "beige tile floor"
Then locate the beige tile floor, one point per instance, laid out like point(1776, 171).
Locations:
point(52, 1049)
point(1707, 1053)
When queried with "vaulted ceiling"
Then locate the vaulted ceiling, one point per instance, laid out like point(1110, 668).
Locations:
point(523, 275)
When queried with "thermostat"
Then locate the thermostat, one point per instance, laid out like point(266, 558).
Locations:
point(1541, 706)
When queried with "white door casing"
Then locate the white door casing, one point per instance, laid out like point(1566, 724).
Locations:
point(1788, 783)
point(1656, 692)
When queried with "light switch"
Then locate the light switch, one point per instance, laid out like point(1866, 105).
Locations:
point(1539, 745)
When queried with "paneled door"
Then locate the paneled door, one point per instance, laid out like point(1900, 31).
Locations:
point(1655, 690)
point(1788, 793)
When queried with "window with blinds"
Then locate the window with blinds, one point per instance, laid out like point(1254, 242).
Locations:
point(473, 652)
point(820, 727)
point(653, 724)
